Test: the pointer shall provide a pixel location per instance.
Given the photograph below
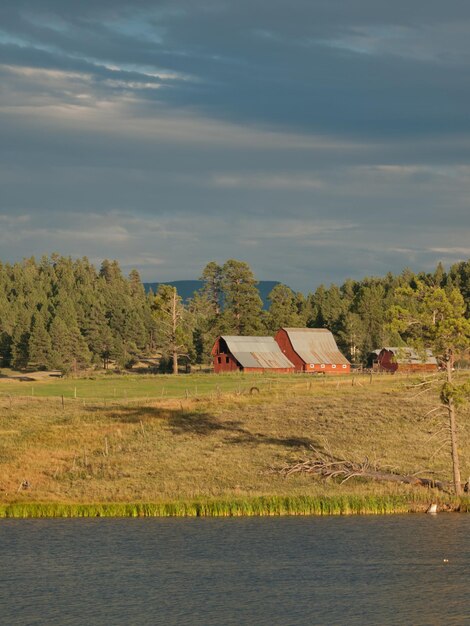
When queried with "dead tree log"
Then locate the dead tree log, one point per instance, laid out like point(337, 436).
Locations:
point(329, 467)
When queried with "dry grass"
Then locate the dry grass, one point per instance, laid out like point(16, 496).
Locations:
point(220, 448)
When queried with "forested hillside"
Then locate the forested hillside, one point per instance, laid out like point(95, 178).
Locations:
point(60, 313)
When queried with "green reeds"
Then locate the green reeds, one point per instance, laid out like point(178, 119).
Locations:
point(259, 506)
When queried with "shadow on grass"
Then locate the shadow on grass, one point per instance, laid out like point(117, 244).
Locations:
point(192, 422)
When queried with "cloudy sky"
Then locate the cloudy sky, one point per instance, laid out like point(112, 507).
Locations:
point(315, 139)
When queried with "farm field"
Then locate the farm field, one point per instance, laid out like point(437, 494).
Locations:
point(120, 440)
point(136, 386)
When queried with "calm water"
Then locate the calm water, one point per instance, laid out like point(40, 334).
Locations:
point(355, 570)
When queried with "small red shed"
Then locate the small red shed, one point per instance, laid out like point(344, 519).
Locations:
point(312, 350)
point(249, 354)
point(405, 359)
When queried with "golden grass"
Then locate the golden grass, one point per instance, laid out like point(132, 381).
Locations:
point(222, 449)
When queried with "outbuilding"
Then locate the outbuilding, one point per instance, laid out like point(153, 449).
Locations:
point(404, 359)
point(312, 350)
point(249, 354)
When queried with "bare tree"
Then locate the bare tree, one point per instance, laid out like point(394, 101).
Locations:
point(173, 324)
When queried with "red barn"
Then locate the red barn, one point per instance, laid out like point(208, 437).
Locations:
point(249, 354)
point(404, 360)
point(312, 350)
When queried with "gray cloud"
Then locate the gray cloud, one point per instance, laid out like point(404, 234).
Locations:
point(316, 141)
point(315, 65)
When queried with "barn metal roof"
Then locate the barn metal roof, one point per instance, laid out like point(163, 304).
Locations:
point(405, 354)
point(257, 352)
point(315, 345)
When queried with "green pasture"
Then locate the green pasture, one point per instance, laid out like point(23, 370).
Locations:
point(123, 387)
point(131, 386)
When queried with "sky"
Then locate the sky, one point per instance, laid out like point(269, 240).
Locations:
point(315, 139)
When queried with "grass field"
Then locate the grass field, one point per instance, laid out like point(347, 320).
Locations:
point(203, 444)
point(135, 386)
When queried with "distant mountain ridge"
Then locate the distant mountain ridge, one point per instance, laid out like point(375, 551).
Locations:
point(186, 288)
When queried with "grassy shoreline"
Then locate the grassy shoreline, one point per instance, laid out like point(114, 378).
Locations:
point(246, 507)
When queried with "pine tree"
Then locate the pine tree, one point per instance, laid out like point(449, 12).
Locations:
point(97, 335)
point(69, 348)
point(315, 305)
point(40, 345)
point(371, 307)
point(243, 307)
point(6, 319)
point(212, 275)
point(142, 322)
point(459, 276)
point(204, 326)
point(332, 308)
point(283, 310)
point(439, 277)
point(20, 340)
point(351, 336)
point(127, 309)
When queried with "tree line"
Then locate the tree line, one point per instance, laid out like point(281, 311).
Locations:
point(60, 313)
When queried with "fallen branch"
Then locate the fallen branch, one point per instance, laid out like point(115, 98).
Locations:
point(325, 465)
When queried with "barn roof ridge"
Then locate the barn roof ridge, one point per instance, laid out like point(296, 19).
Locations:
point(259, 338)
point(306, 330)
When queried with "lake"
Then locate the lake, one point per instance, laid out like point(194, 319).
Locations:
point(396, 569)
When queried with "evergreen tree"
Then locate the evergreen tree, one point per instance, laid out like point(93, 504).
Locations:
point(69, 349)
point(371, 308)
point(439, 278)
point(143, 323)
point(459, 277)
point(206, 309)
point(98, 335)
point(283, 310)
point(315, 302)
point(6, 319)
point(88, 303)
point(332, 308)
point(39, 345)
point(20, 340)
point(302, 308)
point(204, 326)
point(243, 307)
point(212, 275)
point(351, 336)
point(127, 328)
